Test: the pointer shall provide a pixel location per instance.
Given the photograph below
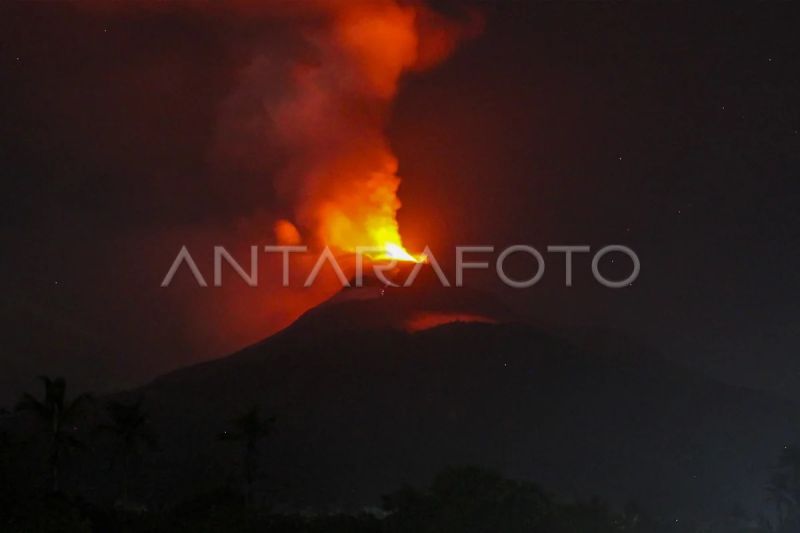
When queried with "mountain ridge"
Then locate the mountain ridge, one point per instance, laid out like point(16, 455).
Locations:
point(364, 406)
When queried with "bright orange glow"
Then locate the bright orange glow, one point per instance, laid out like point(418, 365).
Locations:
point(343, 177)
point(427, 320)
point(365, 218)
point(286, 233)
point(379, 41)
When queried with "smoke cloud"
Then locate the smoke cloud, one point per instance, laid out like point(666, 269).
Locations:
point(324, 106)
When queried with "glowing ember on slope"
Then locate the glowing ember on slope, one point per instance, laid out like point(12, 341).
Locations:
point(428, 320)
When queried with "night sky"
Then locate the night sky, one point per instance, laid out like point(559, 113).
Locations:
point(672, 129)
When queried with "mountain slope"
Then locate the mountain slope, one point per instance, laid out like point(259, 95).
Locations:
point(364, 406)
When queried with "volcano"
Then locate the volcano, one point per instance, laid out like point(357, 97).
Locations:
point(365, 404)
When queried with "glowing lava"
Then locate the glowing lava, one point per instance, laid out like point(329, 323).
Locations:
point(342, 174)
point(395, 251)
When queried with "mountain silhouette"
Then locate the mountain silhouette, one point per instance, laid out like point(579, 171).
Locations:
point(364, 404)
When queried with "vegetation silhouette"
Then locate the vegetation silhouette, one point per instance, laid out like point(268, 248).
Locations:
point(56, 415)
point(471, 499)
point(783, 492)
point(249, 429)
point(460, 499)
point(129, 427)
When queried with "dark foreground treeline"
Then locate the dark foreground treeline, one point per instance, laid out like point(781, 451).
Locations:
point(463, 499)
point(37, 440)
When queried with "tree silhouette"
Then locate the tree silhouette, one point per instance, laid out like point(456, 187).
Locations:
point(249, 429)
point(5, 448)
point(129, 426)
point(471, 499)
point(783, 491)
point(56, 414)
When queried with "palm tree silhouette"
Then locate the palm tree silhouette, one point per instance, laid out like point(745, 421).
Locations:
point(249, 429)
point(129, 426)
point(57, 414)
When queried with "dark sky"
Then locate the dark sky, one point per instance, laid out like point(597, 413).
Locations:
point(672, 129)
